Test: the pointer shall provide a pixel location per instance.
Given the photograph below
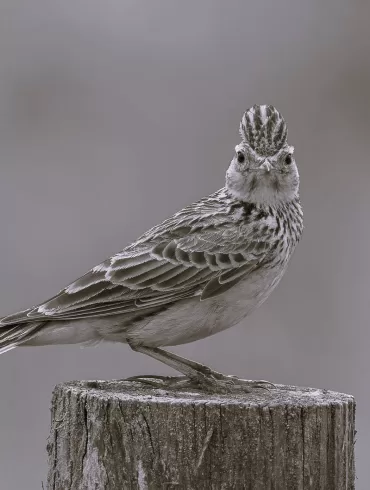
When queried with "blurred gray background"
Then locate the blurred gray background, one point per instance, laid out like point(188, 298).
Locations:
point(115, 114)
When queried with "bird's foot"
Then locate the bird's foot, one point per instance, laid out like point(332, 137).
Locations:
point(196, 376)
point(220, 383)
point(210, 383)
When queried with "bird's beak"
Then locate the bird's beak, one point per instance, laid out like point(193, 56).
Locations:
point(266, 166)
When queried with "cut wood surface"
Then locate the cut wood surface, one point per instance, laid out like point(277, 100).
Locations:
point(118, 435)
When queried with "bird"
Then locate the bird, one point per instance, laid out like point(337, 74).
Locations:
point(199, 272)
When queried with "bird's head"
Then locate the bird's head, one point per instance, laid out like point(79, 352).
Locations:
point(263, 169)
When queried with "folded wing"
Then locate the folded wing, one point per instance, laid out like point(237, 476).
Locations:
point(201, 251)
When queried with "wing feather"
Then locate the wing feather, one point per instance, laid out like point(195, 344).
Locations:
point(203, 250)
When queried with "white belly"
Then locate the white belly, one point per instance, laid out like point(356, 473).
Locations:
point(192, 319)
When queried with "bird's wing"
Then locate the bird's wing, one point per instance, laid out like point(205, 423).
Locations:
point(202, 251)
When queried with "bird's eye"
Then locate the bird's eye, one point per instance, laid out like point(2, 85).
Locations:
point(288, 159)
point(241, 157)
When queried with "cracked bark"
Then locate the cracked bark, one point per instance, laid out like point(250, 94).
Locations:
point(120, 435)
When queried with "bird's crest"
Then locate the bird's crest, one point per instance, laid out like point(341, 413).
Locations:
point(263, 128)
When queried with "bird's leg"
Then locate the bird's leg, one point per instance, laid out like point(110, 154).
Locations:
point(196, 374)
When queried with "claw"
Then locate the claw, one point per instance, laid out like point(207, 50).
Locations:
point(147, 376)
point(261, 383)
point(144, 381)
point(163, 382)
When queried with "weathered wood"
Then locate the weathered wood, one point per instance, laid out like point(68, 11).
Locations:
point(121, 435)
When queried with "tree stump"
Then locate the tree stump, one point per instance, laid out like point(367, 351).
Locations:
point(118, 435)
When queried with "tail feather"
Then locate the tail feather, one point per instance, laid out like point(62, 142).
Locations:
point(14, 335)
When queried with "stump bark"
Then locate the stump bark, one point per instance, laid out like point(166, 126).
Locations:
point(121, 435)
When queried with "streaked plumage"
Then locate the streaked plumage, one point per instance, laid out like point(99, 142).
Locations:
point(198, 272)
point(264, 129)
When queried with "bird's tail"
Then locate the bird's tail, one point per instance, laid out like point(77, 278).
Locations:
point(13, 335)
